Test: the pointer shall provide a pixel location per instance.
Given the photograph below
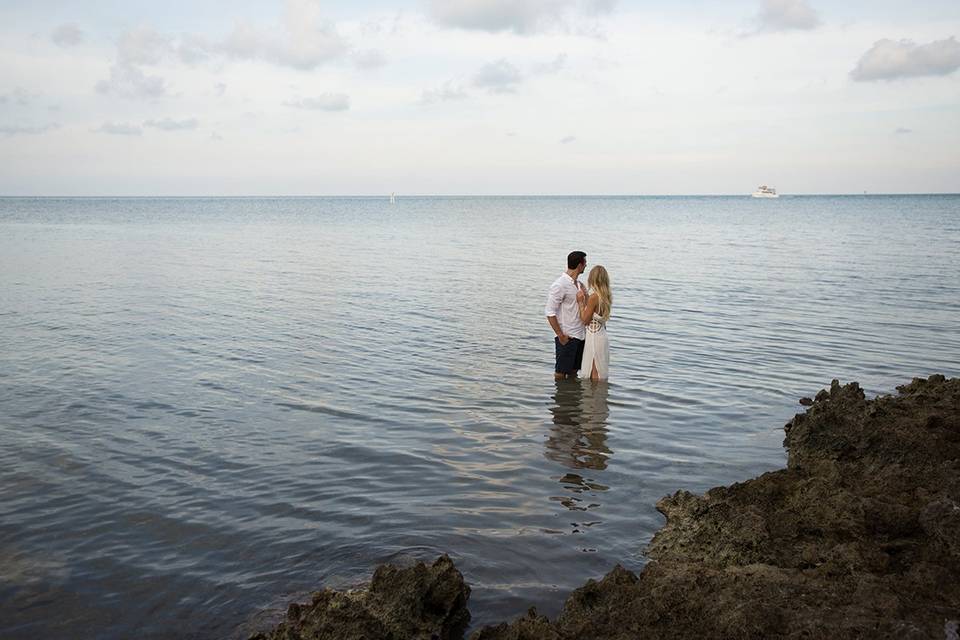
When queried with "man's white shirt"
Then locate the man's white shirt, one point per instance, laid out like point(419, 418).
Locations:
point(562, 303)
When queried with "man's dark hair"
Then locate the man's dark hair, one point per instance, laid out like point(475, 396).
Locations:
point(575, 258)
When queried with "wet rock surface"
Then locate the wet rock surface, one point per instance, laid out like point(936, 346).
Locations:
point(416, 603)
point(858, 537)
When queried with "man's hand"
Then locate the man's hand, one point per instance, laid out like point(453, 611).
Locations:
point(563, 338)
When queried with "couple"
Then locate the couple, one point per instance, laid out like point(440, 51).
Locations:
point(579, 318)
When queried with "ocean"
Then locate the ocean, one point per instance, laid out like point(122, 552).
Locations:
point(210, 407)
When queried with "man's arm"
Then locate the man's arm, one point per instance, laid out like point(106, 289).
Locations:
point(554, 298)
point(556, 329)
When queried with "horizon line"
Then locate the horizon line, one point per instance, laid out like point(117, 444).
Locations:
point(477, 195)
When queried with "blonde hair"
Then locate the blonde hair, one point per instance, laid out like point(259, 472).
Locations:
point(599, 281)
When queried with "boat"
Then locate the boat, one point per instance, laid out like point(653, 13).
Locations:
point(764, 191)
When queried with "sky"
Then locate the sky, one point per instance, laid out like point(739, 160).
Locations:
point(485, 97)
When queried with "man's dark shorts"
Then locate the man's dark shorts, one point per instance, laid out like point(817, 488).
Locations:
point(569, 356)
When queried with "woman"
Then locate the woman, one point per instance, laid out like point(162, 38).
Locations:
point(594, 312)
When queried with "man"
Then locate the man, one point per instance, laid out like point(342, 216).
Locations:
point(563, 314)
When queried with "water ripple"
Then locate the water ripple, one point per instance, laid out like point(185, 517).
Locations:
point(211, 406)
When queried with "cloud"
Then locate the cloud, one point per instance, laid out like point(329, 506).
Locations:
point(787, 15)
point(568, 139)
point(143, 46)
point(138, 47)
point(19, 97)
point(220, 88)
point(902, 131)
point(891, 59)
point(554, 66)
point(369, 59)
point(28, 130)
point(131, 82)
point(304, 40)
point(119, 129)
point(598, 7)
point(193, 49)
point(325, 102)
point(445, 93)
point(67, 35)
point(498, 77)
point(519, 16)
point(168, 124)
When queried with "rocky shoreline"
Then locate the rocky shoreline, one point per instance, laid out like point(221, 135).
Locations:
point(858, 537)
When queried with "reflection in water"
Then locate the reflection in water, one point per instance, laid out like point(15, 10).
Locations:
point(578, 440)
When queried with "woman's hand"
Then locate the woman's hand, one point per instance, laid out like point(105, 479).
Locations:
point(587, 308)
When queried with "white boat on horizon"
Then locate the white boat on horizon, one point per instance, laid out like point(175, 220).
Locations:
point(764, 191)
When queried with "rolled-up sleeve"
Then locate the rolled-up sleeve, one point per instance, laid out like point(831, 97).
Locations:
point(554, 298)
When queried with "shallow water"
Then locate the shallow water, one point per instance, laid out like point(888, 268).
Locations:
point(211, 406)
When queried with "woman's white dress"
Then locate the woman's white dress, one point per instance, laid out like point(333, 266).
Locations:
point(596, 349)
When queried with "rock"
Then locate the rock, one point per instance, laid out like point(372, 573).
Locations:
point(416, 603)
point(859, 537)
point(529, 627)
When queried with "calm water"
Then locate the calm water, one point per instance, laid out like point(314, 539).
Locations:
point(211, 406)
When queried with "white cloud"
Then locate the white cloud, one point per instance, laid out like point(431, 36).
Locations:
point(325, 102)
point(119, 129)
point(138, 47)
point(598, 7)
point(369, 59)
point(519, 16)
point(663, 114)
point(305, 40)
point(786, 15)
point(168, 124)
point(28, 130)
point(498, 77)
point(568, 139)
point(891, 59)
point(131, 82)
point(143, 46)
point(445, 93)
point(193, 49)
point(67, 35)
point(554, 66)
point(903, 131)
point(19, 96)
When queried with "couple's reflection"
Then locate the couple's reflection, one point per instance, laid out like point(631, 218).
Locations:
point(578, 440)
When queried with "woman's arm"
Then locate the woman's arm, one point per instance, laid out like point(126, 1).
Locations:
point(588, 308)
